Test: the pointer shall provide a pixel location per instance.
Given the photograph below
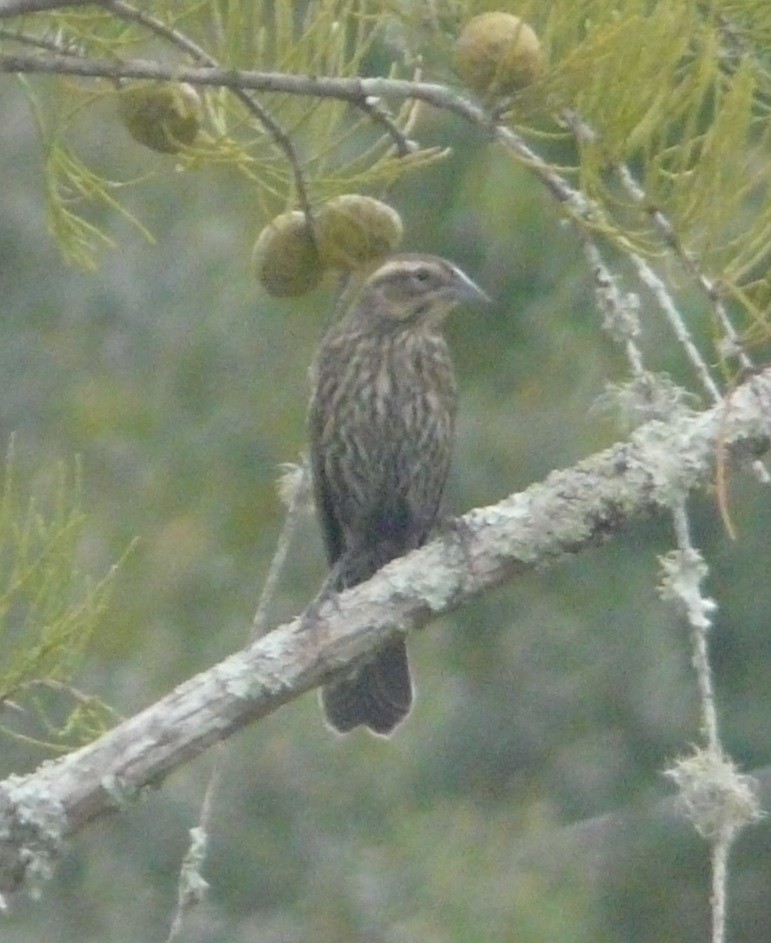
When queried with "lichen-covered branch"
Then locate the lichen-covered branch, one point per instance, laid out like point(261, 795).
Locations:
point(570, 510)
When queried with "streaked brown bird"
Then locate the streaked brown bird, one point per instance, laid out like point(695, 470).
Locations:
point(381, 424)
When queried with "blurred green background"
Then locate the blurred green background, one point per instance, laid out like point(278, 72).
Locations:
point(559, 697)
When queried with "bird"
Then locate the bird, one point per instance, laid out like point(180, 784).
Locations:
point(381, 428)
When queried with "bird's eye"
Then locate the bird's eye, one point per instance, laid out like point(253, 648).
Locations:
point(422, 275)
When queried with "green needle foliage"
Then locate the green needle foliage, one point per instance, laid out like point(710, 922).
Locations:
point(675, 93)
point(49, 609)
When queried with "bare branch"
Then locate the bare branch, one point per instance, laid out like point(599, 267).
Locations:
point(297, 497)
point(569, 511)
point(360, 92)
point(676, 322)
point(708, 285)
point(354, 90)
point(38, 42)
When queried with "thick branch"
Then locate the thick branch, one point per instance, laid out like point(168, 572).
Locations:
point(570, 510)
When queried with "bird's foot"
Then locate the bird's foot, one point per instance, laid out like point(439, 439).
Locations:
point(329, 593)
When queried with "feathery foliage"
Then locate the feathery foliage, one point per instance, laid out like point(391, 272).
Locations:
point(49, 610)
point(677, 91)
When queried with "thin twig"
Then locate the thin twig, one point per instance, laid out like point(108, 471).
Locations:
point(667, 232)
point(354, 90)
point(23, 7)
point(187, 898)
point(721, 849)
point(191, 884)
point(697, 612)
point(38, 42)
point(677, 323)
point(128, 12)
point(619, 320)
point(379, 114)
point(713, 764)
point(296, 501)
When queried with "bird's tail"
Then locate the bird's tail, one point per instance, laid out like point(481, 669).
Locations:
point(377, 694)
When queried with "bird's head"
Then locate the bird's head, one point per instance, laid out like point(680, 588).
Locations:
point(414, 290)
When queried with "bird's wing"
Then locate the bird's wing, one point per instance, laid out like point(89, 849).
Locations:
point(331, 528)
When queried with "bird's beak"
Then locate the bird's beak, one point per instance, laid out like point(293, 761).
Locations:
point(467, 290)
